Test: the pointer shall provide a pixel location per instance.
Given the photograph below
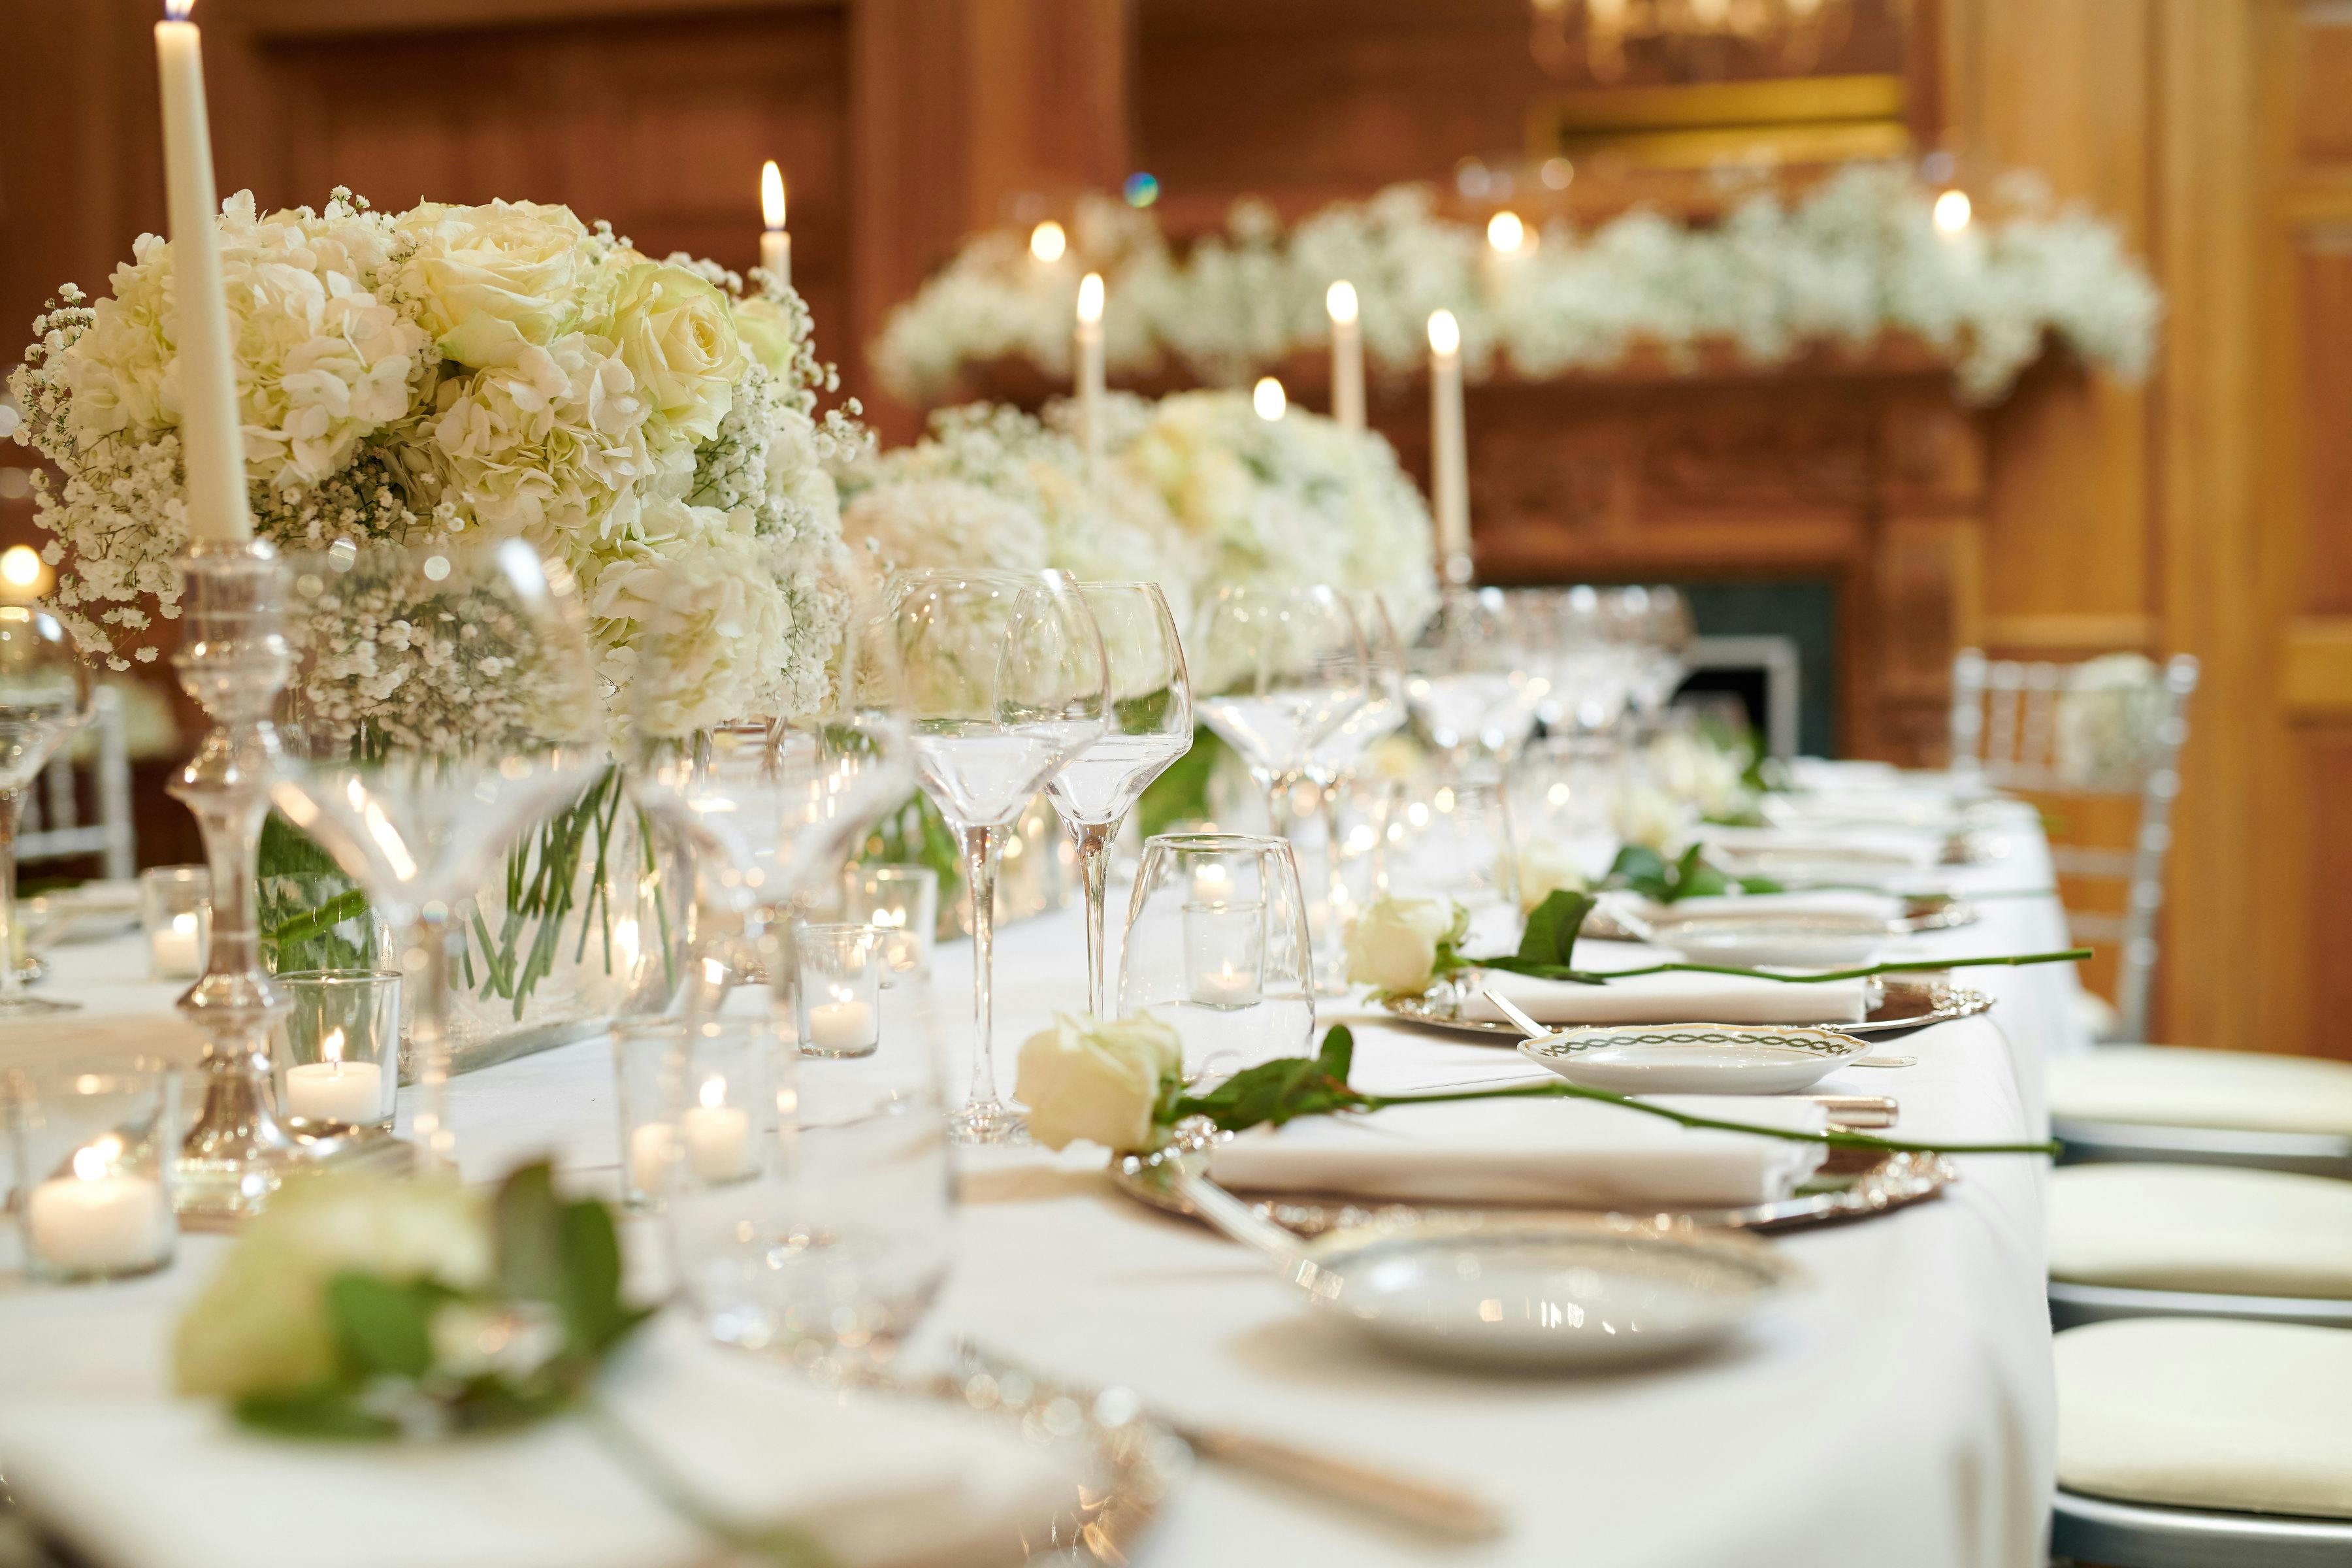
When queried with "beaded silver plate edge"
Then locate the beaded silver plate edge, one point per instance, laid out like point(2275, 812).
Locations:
point(1924, 1003)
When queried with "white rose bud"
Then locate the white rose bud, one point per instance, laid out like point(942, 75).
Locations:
point(1651, 818)
point(1393, 946)
point(1083, 1078)
point(1546, 868)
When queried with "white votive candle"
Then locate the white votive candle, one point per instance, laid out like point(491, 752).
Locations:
point(1226, 986)
point(335, 1091)
point(97, 1221)
point(842, 1027)
point(176, 951)
point(718, 1136)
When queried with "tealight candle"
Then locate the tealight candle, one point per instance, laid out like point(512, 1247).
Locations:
point(333, 1090)
point(651, 1148)
point(717, 1135)
point(844, 1027)
point(1224, 954)
point(98, 1220)
point(175, 950)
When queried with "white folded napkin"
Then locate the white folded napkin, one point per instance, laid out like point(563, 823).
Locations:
point(1571, 1152)
point(1842, 901)
point(1671, 998)
point(1897, 847)
point(880, 1483)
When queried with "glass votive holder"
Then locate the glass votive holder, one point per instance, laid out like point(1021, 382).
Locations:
point(699, 1112)
point(94, 1148)
point(838, 1003)
point(903, 903)
point(336, 1053)
point(175, 908)
point(1224, 952)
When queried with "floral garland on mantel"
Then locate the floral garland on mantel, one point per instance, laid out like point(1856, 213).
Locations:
point(1857, 256)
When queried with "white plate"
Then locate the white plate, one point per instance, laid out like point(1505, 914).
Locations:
point(1791, 945)
point(1544, 1293)
point(1694, 1059)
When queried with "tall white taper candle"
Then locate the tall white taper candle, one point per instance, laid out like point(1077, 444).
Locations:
point(212, 448)
point(1347, 355)
point(1449, 477)
point(1090, 368)
point(775, 244)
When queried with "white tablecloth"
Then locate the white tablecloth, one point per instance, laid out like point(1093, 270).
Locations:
point(1901, 1412)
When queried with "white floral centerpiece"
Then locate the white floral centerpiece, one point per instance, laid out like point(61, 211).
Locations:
point(1854, 257)
point(455, 372)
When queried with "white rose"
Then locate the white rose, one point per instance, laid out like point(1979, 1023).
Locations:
point(677, 339)
point(260, 1324)
point(1087, 1078)
point(1693, 769)
point(1651, 819)
point(1546, 867)
point(489, 279)
point(1393, 946)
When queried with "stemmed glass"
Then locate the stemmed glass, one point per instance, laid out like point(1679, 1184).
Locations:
point(773, 803)
point(1657, 620)
point(1006, 681)
point(44, 695)
point(1280, 669)
point(1331, 762)
point(1148, 725)
point(444, 703)
point(1472, 691)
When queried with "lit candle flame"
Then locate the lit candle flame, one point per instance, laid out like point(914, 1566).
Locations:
point(20, 567)
point(331, 1050)
point(184, 924)
point(1445, 332)
point(713, 1092)
point(1269, 398)
point(1090, 297)
point(177, 10)
point(1505, 232)
point(1340, 301)
point(94, 1163)
point(772, 195)
point(1952, 213)
point(1046, 241)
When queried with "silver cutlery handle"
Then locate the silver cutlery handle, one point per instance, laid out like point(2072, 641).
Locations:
point(1437, 1506)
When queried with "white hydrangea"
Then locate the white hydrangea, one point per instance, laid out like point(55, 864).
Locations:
point(543, 445)
point(687, 618)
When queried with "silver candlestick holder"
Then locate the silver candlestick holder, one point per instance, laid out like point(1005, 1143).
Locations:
point(233, 660)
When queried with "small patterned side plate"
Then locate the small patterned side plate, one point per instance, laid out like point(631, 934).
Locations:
point(1909, 1003)
point(1694, 1059)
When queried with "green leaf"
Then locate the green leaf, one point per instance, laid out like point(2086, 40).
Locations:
point(1273, 1093)
point(324, 1412)
point(380, 1326)
point(1339, 1052)
point(1642, 870)
point(592, 1305)
point(528, 1221)
point(1552, 928)
point(1695, 878)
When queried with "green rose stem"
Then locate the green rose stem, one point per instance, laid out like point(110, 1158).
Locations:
point(1543, 971)
point(1288, 1088)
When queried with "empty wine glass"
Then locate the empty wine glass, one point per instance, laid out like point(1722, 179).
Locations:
point(772, 802)
point(1333, 762)
point(1006, 681)
point(444, 703)
point(1277, 670)
point(1148, 725)
point(1657, 622)
point(44, 695)
point(1471, 688)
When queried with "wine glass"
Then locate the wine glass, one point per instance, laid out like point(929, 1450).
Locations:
point(1331, 762)
point(444, 703)
point(44, 695)
point(771, 802)
point(1471, 688)
point(1148, 725)
point(1280, 669)
point(1657, 620)
point(1006, 681)
point(1594, 668)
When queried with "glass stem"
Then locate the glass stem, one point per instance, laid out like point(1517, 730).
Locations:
point(1094, 864)
point(1334, 978)
point(428, 959)
point(980, 877)
point(11, 979)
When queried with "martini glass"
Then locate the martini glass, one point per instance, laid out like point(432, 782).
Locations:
point(444, 704)
point(45, 696)
point(1006, 681)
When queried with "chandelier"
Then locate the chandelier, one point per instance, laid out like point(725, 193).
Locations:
point(1588, 37)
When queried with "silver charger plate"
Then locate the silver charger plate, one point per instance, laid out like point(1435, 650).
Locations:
point(1907, 1004)
point(1851, 1184)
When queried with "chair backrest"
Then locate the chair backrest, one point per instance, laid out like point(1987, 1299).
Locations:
point(51, 825)
point(2106, 727)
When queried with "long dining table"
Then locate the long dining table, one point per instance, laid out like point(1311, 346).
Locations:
point(1898, 1411)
